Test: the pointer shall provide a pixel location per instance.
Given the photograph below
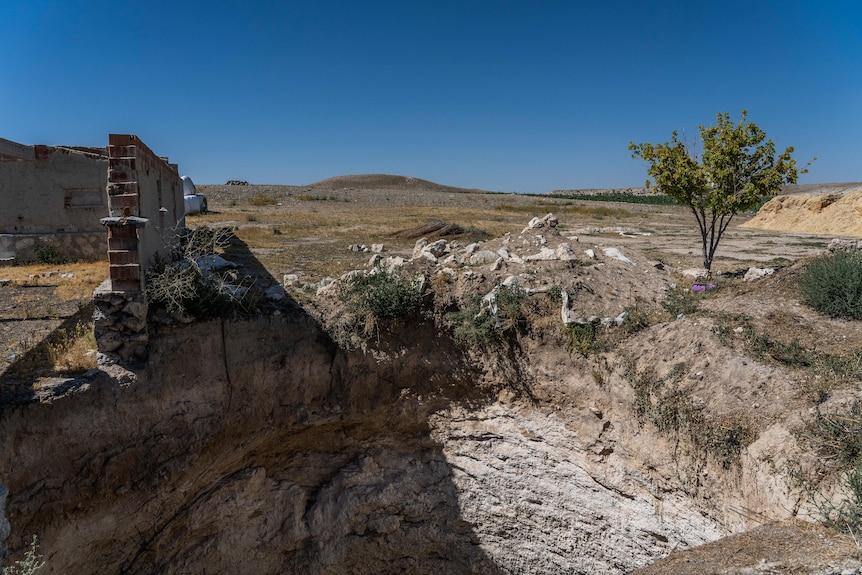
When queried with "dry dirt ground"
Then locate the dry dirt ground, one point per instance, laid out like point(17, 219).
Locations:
point(309, 231)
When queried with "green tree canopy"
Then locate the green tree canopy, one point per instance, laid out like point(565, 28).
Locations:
point(737, 167)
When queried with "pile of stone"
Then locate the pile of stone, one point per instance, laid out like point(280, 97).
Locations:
point(120, 324)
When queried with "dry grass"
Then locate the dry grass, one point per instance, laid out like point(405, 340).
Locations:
point(74, 351)
point(86, 276)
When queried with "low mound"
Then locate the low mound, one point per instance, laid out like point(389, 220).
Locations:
point(381, 181)
point(833, 214)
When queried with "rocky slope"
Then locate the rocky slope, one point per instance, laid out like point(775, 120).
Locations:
point(262, 446)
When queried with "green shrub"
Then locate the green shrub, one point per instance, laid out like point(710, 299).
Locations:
point(832, 285)
point(475, 324)
point(385, 295)
point(583, 337)
point(638, 317)
point(46, 253)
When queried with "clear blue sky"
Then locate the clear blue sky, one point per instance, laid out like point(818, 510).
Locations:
point(525, 96)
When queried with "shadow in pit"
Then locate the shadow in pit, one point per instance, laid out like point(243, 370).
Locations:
point(253, 444)
point(18, 379)
point(334, 447)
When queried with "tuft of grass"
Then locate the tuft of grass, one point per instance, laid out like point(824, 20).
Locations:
point(583, 338)
point(74, 351)
point(679, 301)
point(262, 199)
point(832, 285)
point(837, 440)
point(667, 405)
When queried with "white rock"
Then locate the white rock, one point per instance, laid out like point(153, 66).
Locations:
point(546, 254)
point(419, 246)
point(482, 257)
point(377, 248)
point(617, 255)
point(437, 248)
point(290, 279)
point(497, 264)
point(590, 254)
point(393, 262)
point(534, 224)
point(757, 273)
point(565, 253)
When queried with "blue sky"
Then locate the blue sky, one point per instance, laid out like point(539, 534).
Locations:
point(526, 96)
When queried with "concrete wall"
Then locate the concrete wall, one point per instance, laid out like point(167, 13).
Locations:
point(52, 196)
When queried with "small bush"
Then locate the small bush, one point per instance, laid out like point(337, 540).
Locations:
point(186, 286)
point(385, 295)
point(46, 253)
point(845, 516)
point(473, 326)
point(837, 440)
point(478, 324)
point(838, 436)
point(832, 285)
point(583, 337)
point(638, 317)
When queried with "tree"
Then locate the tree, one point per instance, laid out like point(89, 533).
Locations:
point(735, 170)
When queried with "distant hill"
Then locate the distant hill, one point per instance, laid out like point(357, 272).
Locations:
point(382, 182)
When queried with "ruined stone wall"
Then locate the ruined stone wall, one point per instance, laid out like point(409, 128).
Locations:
point(54, 198)
point(120, 324)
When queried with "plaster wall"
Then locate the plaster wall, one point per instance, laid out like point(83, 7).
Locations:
point(53, 197)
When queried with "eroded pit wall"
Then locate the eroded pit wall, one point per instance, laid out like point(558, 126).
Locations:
point(51, 199)
point(261, 447)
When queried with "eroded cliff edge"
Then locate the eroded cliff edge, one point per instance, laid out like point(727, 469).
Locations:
point(261, 446)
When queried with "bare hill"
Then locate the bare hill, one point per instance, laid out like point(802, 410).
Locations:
point(382, 181)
